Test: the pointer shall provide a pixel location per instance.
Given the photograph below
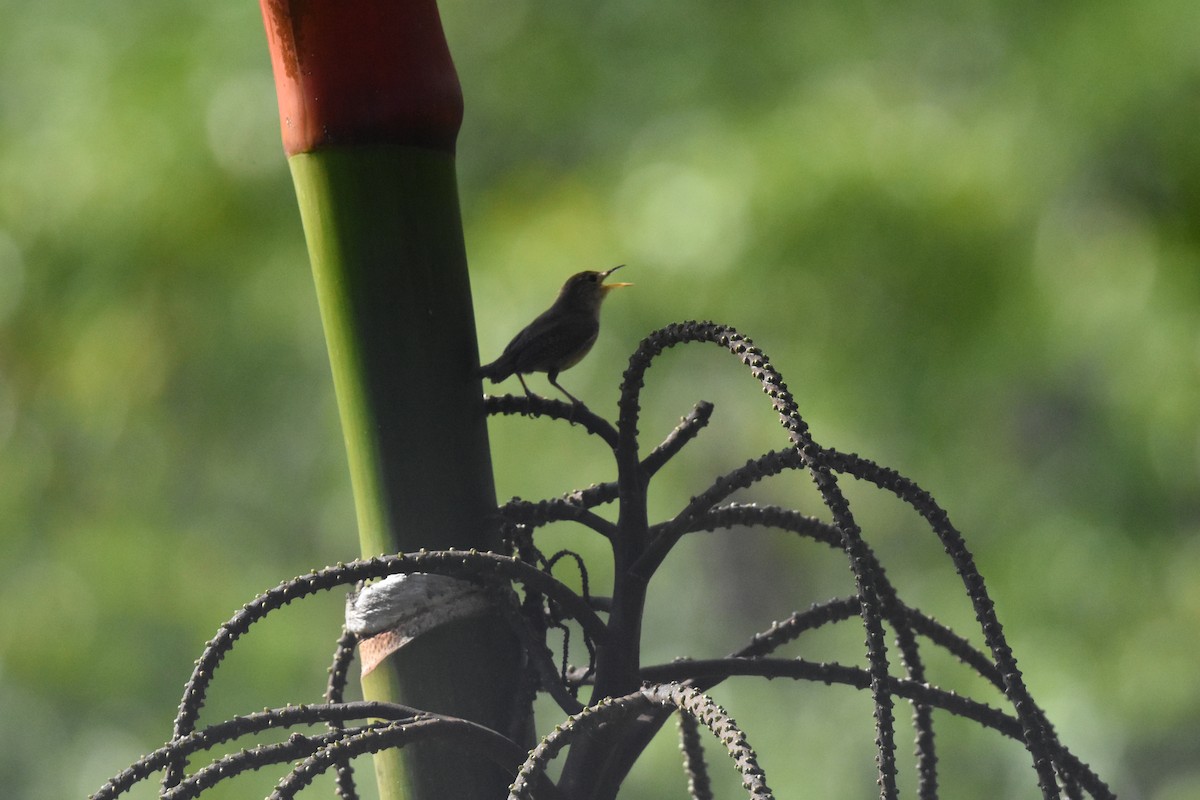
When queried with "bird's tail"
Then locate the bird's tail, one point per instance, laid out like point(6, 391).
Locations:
point(496, 371)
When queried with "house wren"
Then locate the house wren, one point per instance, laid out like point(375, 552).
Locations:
point(560, 336)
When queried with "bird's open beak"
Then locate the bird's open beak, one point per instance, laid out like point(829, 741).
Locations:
point(608, 286)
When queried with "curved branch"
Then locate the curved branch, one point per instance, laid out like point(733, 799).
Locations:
point(684, 432)
point(921, 693)
point(780, 633)
point(1033, 720)
point(246, 725)
point(705, 710)
point(255, 758)
point(894, 611)
point(752, 514)
point(867, 574)
point(537, 514)
point(830, 673)
point(335, 690)
point(608, 710)
point(322, 751)
point(614, 710)
point(499, 749)
point(455, 563)
point(537, 406)
point(541, 659)
point(723, 335)
point(694, 765)
point(667, 534)
point(687, 429)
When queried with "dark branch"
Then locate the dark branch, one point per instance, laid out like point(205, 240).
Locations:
point(335, 691)
point(469, 565)
point(523, 512)
point(537, 406)
point(1037, 729)
point(249, 724)
point(684, 432)
point(694, 765)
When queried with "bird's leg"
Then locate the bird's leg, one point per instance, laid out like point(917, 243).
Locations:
point(528, 393)
point(575, 401)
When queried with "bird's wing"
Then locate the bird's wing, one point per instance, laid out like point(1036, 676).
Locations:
point(553, 343)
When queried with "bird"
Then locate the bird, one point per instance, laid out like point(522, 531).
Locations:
point(560, 336)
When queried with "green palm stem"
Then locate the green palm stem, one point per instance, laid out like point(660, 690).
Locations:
point(370, 107)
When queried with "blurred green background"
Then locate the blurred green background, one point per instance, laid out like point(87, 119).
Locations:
point(967, 233)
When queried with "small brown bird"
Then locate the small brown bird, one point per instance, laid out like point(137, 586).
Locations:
point(560, 337)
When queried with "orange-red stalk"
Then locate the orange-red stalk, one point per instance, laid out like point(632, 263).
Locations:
point(362, 72)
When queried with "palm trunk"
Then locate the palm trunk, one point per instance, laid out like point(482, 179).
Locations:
point(370, 107)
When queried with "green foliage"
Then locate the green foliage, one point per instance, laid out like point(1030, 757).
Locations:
point(967, 232)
